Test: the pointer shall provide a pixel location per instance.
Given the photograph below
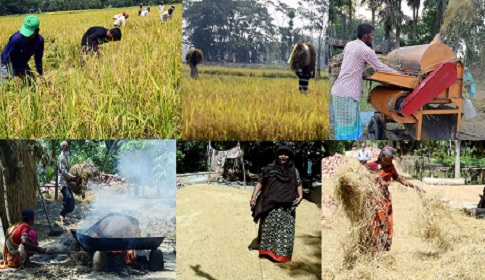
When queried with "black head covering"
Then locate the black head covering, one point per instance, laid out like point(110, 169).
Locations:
point(285, 150)
point(282, 172)
point(27, 214)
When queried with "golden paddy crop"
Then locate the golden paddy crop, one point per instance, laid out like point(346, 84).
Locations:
point(131, 91)
point(249, 104)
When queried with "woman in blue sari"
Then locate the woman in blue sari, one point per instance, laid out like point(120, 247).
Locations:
point(469, 85)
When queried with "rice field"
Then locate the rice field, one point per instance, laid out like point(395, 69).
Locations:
point(252, 104)
point(131, 91)
point(431, 239)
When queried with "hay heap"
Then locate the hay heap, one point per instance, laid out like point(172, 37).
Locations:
point(299, 57)
point(194, 56)
point(434, 221)
point(86, 170)
point(336, 64)
point(357, 194)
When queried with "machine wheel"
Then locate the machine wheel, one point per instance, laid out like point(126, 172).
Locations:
point(155, 260)
point(374, 129)
point(101, 261)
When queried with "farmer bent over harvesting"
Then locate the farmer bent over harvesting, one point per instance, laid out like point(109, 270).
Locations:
point(99, 35)
point(22, 45)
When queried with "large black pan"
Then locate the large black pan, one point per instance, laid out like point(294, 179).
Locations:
point(116, 244)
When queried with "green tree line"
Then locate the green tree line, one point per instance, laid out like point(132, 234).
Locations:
point(8, 7)
point(252, 31)
point(459, 23)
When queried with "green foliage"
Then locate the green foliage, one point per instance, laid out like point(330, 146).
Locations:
point(8, 7)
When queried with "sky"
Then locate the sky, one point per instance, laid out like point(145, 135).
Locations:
point(364, 11)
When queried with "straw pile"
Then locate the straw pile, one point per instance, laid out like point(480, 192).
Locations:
point(86, 170)
point(299, 56)
point(330, 164)
point(415, 252)
point(358, 194)
point(194, 56)
point(336, 64)
point(434, 221)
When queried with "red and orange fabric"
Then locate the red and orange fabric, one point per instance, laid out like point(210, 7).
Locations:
point(14, 234)
point(382, 224)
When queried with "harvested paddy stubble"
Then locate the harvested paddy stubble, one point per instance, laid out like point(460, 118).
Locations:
point(132, 91)
point(223, 107)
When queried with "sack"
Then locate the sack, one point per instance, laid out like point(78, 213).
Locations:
point(469, 112)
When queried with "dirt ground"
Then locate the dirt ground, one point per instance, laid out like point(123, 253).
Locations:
point(66, 266)
point(411, 257)
point(215, 227)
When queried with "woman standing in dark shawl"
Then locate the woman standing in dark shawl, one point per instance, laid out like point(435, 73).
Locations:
point(274, 200)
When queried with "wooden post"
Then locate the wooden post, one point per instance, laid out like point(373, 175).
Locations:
point(56, 195)
point(209, 162)
point(244, 170)
point(457, 159)
point(56, 169)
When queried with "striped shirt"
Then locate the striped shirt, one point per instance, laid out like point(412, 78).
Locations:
point(356, 57)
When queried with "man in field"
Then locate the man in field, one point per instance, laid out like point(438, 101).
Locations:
point(363, 155)
point(96, 36)
point(167, 15)
point(346, 90)
point(120, 19)
point(22, 45)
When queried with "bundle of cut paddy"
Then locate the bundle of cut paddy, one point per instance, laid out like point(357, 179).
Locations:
point(358, 194)
point(330, 164)
point(194, 56)
point(86, 170)
point(303, 55)
point(336, 64)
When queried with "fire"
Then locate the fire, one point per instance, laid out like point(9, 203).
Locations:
point(130, 256)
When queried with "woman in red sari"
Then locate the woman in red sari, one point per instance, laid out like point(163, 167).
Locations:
point(382, 223)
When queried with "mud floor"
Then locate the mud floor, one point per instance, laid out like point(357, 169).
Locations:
point(156, 216)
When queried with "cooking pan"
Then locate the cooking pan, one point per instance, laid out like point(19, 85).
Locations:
point(93, 244)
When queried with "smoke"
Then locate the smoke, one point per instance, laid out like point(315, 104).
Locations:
point(149, 167)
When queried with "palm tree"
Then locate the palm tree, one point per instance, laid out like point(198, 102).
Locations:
point(414, 4)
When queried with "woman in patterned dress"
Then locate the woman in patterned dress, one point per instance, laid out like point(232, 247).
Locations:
point(277, 194)
point(383, 218)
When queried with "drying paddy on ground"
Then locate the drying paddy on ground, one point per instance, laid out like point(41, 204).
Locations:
point(215, 227)
point(131, 91)
point(252, 104)
point(430, 241)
